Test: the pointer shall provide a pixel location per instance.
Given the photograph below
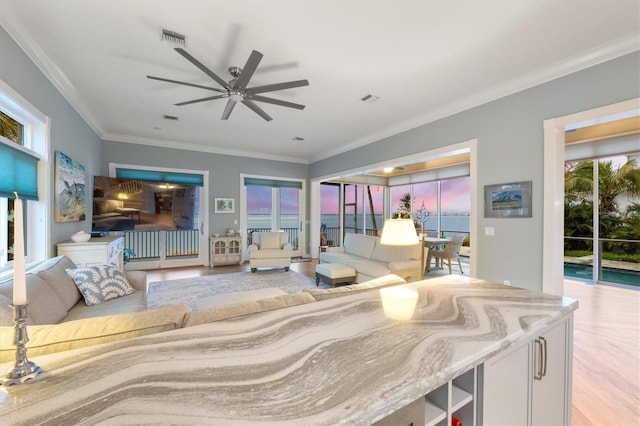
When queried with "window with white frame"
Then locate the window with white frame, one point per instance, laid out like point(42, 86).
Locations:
point(23, 132)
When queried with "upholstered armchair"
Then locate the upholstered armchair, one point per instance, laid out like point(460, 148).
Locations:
point(269, 250)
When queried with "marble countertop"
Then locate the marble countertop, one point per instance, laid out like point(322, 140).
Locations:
point(339, 361)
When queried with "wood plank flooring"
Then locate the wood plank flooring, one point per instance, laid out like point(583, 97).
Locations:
point(606, 355)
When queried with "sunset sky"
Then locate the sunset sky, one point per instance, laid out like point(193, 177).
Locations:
point(455, 196)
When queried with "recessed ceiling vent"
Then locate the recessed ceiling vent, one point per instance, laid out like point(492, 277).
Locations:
point(369, 98)
point(170, 117)
point(173, 37)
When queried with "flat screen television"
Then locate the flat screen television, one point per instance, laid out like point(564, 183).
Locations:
point(135, 205)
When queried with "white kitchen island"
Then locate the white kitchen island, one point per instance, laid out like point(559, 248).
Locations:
point(337, 361)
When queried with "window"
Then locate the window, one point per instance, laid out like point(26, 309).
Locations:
point(24, 131)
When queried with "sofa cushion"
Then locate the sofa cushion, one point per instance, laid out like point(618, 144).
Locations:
point(232, 311)
point(387, 254)
point(53, 272)
point(359, 244)
point(100, 283)
point(134, 302)
point(384, 281)
point(236, 297)
point(45, 339)
point(269, 240)
point(6, 313)
point(45, 307)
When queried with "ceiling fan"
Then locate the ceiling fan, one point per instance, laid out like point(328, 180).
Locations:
point(236, 89)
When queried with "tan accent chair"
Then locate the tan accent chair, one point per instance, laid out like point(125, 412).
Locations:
point(269, 250)
point(450, 252)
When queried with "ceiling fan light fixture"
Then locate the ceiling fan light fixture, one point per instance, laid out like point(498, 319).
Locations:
point(236, 96)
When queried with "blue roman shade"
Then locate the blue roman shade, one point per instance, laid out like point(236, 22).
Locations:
point(272, 183)
point(18, 172)
point(160, 176)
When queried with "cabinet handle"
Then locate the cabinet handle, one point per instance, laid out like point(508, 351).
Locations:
point(538, 359)
point(544, 357)
point(541, 358)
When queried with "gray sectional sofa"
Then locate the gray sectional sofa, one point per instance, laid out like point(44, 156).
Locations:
point(59, 319)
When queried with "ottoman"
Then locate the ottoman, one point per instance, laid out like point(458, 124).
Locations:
point(334, 273)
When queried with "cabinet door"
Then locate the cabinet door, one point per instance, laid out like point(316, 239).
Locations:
point(549, 377)
point(505, 393)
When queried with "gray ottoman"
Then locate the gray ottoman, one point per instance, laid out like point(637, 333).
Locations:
point(334, 273)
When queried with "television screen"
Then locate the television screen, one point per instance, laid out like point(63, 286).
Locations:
point(132, 205)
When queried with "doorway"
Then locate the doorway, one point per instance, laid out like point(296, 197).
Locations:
point(553, 217)
point(273, 204)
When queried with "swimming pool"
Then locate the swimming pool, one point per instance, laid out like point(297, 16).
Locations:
point(612, 275)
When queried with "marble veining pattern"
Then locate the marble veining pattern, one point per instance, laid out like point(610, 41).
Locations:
point(339, 361)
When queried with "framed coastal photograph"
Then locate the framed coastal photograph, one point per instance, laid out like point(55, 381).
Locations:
point(508, 200)
point(69, 189)
point(224, 205)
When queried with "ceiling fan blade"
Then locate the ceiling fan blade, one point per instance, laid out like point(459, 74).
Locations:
point(277, 86)
point(195, 101)
point(202, 68)
point(227, 110)
point(275, 101)
point(186, 84)
point(256, 109)
point(248, 70)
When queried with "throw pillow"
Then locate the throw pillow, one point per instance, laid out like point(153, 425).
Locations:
point(100, 283)
point(270, 240)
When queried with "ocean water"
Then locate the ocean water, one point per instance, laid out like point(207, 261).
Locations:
point(448, 223)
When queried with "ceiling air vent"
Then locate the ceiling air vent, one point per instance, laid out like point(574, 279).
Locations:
point(170, 117)
point(173, 37)
point(369, 98)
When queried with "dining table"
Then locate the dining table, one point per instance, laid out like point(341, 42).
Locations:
point(433, 243)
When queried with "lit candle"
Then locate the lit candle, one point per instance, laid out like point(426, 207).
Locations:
point(19, 278)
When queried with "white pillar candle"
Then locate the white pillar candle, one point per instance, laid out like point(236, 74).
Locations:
point(19, 278)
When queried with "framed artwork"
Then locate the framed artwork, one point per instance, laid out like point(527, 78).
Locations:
point(224, 205)
point(70, 194)
point(508, 200)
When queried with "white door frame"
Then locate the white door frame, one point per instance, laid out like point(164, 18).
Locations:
point(301, 211)
point(553, 213)
point(203, 246)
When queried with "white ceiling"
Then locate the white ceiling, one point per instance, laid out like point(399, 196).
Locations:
point(424, 59)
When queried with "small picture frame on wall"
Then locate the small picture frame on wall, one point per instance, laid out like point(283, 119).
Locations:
point(508, 200)
point(224, 205)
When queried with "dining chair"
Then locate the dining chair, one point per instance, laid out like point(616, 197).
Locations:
point(450, 252)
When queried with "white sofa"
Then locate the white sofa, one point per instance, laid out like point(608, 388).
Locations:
point(59, 319)
point(371, 259)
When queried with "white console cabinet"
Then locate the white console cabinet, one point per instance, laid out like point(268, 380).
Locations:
point(96, 251)
point(530, 384)
point(225, 250)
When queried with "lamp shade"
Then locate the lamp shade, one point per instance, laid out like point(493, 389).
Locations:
point(399, 232)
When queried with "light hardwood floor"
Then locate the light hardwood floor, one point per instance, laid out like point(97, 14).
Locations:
point(606, 354)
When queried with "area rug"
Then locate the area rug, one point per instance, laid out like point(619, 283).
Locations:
point(189, 290)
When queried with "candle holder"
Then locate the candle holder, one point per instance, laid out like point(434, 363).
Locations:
point(23, 369)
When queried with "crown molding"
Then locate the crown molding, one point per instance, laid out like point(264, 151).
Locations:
point(595, 56)
point(181, 145)
point(32, 49)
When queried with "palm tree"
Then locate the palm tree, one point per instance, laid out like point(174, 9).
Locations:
point(611, 183)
